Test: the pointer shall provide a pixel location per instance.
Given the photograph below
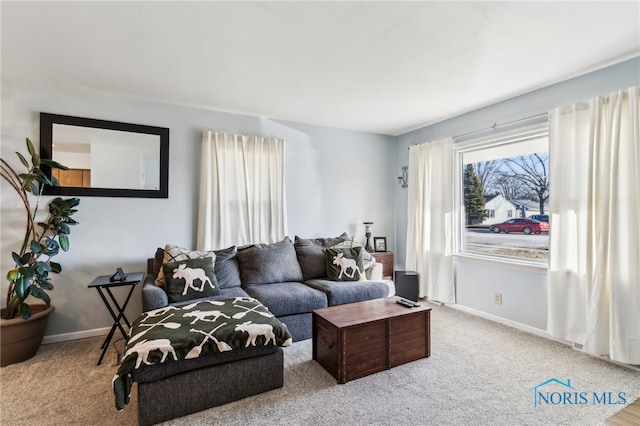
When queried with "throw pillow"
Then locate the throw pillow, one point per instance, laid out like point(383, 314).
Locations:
point(174, 253)
point(311, 257)
point(344, 264)
point(190, 279)
point(367, 258)
point(268, 263)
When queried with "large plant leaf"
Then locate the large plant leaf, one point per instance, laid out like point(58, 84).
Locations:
point(35, 159)
point(30, 147)
point(42, 268)
point(16, 258)
point(22, 287)
point(64, 242)
point(40, 294)
point(46, 284)
point(55, 267)
point(25, 311)
point(63, 228)
point(53, 164)
point(26, 272)
point(36, 247)
point(23, 160)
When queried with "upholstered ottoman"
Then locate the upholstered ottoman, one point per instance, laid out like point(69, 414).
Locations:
point(171, 390)
point(192, 357)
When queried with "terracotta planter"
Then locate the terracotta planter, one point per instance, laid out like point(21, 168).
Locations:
point(19, 338)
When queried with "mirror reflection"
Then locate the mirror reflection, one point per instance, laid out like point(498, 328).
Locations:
point(102, 158)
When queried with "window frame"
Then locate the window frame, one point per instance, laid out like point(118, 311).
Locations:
point(467, 145)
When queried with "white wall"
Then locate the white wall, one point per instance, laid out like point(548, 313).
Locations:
point(126, 231)
point(524, 291)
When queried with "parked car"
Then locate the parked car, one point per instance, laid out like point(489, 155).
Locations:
point(526, 226)
point(540, 217)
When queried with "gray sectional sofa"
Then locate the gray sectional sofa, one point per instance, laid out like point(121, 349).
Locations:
point(289, 278)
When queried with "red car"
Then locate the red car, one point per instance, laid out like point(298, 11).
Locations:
point(526, 226)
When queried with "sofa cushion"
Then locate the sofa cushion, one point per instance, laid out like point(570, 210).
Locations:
point(339, 293)
point(268, 263)
point(311, 257)
point(344, 264)
point(226, 267)
point(288, 298)
point(190, 279)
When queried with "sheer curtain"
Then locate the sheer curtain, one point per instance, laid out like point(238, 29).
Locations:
point(430, 219)
point(594, 264)
point(242, 191)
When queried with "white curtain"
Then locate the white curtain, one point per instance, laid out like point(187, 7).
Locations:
point(242, 191)
point(594, 265)
point(430, 219)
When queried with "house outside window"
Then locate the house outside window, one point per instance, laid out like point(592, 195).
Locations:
point(511, 172)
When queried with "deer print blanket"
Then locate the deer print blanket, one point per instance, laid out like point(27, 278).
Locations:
point(189, 331)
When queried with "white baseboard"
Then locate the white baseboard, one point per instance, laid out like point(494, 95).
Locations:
point(507, 322)
point(56, 338)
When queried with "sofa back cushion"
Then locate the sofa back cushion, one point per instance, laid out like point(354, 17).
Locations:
point(311, 256)
point(268, 263)
point(226, 267)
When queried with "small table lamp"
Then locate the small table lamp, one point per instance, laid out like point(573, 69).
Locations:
point(367, 234)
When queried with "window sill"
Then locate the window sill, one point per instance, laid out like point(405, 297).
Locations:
point(519, 264)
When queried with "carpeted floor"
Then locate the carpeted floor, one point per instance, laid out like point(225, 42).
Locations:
point(479, 373)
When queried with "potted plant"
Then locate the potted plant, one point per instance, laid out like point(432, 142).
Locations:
point(33, 261)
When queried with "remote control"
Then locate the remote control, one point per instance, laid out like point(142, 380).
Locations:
point(407, 303)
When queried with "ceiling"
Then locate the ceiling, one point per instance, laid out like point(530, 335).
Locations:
point(381, 67)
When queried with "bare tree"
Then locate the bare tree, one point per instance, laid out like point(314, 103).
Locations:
point(532, 171)
point(510, 187)
point(487, 172)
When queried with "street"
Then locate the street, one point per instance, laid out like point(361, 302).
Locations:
point(512, 244)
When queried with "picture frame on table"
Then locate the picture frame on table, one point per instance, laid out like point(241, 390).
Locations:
point(380, 244)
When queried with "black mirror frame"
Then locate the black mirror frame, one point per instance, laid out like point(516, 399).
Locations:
point(46, 141)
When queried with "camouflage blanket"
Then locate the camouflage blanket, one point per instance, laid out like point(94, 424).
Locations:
point(190, 331)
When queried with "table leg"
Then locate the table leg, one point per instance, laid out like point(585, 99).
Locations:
point(116, 318)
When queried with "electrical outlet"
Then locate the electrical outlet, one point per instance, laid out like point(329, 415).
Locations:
point(497, 298)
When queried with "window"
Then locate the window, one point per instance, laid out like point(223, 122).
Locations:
point(504, 181)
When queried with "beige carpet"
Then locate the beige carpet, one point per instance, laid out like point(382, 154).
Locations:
point(480, 373)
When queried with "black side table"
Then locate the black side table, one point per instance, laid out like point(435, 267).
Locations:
point(103, 283)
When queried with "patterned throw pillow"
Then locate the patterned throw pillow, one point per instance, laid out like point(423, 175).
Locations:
point(344, 264)
point(367, 259)
point(190, 279)
point(174, 253)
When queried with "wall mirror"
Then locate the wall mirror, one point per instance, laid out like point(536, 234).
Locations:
point(105, 158)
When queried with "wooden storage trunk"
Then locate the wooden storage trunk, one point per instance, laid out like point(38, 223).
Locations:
point(355, 340)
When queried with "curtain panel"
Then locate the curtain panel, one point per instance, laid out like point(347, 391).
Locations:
point(594, 262)
point(242, 190)
point(430, 219)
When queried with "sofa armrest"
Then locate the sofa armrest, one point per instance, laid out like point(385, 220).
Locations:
point(374, 273)
point(153, 297)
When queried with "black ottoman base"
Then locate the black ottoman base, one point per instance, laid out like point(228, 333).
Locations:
point(207, 387)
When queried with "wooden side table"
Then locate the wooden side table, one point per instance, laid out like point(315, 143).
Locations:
point(386, 258)
point(102, 283)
